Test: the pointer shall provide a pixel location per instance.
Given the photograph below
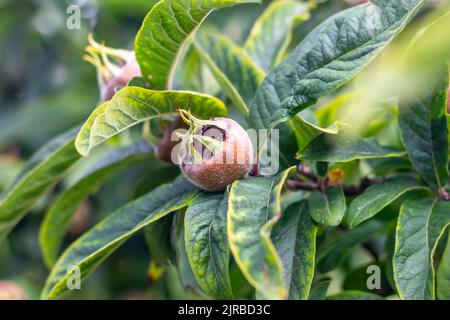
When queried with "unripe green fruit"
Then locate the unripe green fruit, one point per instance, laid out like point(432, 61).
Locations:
point(220, 166)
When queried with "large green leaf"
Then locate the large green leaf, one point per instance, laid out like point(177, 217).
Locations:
point(58, 216)
point(346, 150)
point(443, 274)
point(207, 245)
point(272, 32)
point(236, 73)
point(420, 225)
point(196, 76)
point(424, 132)
point(379, 196)
point(165, 32)
point(253, 208)
point(329, 57)
point(328, 207)
point(43, 170)
point(335, 251)
point(97, 244)
point(134, 105)
point(294, 237)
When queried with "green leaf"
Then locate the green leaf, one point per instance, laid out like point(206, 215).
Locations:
point(43, 170)
point(272, 32)
point(97, 244)
point(207, 245)
point(354, 295)
point(158, 237)
point(328, 208)
point(196, 76)
point(424, 132)
point(236, 73)
point(420, 225)
point(253, 208)
point(294, 237)
point(443, 274)
point(346, 150)
point(190, 285)
point(379, 196)
point(305, 131)
point(165, 32)
point(330, 56)
point(334, 252)
point(319, 291)
point(59, 215)
point(133, 105)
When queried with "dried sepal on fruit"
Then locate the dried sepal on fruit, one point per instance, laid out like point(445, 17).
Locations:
point(115, 67)
point(214, 153)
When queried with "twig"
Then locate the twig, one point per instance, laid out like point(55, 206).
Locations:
point(307, 172)
point(301, 185)
point(444, 195)
point(349, 191)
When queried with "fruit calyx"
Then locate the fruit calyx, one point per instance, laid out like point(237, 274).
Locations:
point(115, 67)
point(203, 140)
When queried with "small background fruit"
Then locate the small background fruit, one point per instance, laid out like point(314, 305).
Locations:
point(11, 291)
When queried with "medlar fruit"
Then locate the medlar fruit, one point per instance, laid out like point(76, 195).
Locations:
point(111, 75)
point(214, 153)
point(127, 72)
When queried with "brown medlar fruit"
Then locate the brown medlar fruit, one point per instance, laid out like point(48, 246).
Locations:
point(115, 67)
point(214, 153)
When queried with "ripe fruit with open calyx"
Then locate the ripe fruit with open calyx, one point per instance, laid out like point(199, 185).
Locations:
point(110, 75)
point(214, 153)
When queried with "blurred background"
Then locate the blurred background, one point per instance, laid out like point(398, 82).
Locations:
point(47, 88)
